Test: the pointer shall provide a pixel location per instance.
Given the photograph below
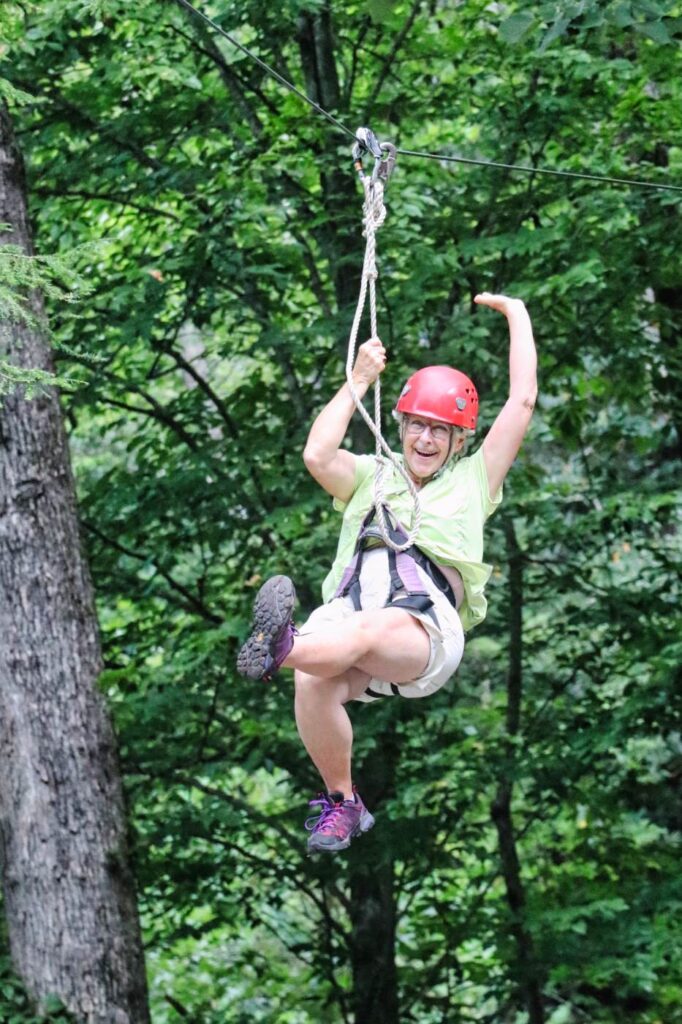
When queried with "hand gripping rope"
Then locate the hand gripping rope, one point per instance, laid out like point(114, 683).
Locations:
point(374, 214)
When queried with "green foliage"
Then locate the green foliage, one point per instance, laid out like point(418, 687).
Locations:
point(550, 22)
point(29, 383)
point(55, 276)
point(10, 95)
point(223, 283)
point(22, 277)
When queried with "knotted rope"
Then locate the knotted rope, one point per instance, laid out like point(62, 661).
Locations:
point(374, 214)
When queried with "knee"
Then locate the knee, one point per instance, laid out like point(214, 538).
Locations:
point(370, 627)
point(307, 686)
point(315, 691)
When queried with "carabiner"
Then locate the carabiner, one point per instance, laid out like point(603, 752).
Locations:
point(367, 143)
point(383, 168)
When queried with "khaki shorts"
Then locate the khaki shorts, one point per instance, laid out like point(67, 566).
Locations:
point(446, 635)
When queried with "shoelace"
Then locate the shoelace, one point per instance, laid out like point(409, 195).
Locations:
point(327, 818)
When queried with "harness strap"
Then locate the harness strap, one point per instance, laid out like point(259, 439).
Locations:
point(406, 589)
point(373, 693)
point(350, 575)
point(397, 582)
point(432, 570)
point(407, 570)
point(350, 581)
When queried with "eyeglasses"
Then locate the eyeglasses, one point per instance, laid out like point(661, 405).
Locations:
point(439, 431)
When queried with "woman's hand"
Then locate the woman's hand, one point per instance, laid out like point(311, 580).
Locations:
point(502, 303)
point(369, 362)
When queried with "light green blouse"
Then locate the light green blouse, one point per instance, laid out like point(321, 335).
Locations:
point(455, 506)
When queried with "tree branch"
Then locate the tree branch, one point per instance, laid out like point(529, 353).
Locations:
point(153, 211)
point(386, 67)
point(527, 969)
point(192, 600)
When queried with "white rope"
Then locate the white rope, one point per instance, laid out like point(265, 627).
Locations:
point(374, 214)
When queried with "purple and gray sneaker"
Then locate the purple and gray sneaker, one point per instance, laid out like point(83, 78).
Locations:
point(272, 632)
point(338, 822)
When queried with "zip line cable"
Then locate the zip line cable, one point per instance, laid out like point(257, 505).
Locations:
point(540, 170)
point(443, 157)
point(266, 67)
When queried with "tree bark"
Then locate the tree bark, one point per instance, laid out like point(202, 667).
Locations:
point(373, 918)
point(525, 967)
point(373, 909)
point(342, 243)
point(669, 385)
point(68, 890)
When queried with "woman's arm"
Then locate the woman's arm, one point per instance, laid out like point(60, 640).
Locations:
point(506, 434)
point(332, 466)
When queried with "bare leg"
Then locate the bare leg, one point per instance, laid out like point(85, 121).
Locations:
point(324, 726)
point(388, 643)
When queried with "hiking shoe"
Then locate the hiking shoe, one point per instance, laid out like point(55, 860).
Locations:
point(272, 632)
point(338, 822)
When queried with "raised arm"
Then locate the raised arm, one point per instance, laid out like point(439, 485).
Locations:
point(332, 466)
point(506, 434)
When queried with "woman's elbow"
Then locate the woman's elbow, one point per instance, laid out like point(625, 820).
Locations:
point(311, 457)
point(530, 397)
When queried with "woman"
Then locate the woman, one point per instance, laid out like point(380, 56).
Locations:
point(392, 626)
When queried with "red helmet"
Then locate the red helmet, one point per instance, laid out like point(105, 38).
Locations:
point(440, 393)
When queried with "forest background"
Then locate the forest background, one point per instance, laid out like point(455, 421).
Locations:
point(525, 863)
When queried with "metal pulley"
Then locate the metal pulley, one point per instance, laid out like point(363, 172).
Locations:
point(384, 154)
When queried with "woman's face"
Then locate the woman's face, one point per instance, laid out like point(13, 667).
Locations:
point(426, 446)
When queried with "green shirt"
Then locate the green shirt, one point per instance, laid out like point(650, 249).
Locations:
point(455, 506)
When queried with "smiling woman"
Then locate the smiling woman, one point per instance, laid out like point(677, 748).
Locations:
point(392, 623)
point(440, 403)
point(427, 446)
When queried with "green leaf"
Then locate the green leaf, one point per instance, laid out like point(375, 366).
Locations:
point(653, 10)
point(514, 28)
point(621, 15)
point(593, 18)
point(380, 10)
point(557, 30)
point(655, 30)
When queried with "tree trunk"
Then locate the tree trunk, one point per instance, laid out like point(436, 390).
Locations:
point(668, 381)
point(68, 890)
point(341, 240)
point(526, 967)
point(375, 975)
point(373, 898)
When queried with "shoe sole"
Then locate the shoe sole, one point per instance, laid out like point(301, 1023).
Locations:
point(364, 825)
point(271, 612)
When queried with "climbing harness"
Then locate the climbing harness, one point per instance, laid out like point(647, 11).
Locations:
point(406, 588)
point(374, 214)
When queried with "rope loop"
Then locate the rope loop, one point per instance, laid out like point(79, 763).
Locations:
point(374, 215)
